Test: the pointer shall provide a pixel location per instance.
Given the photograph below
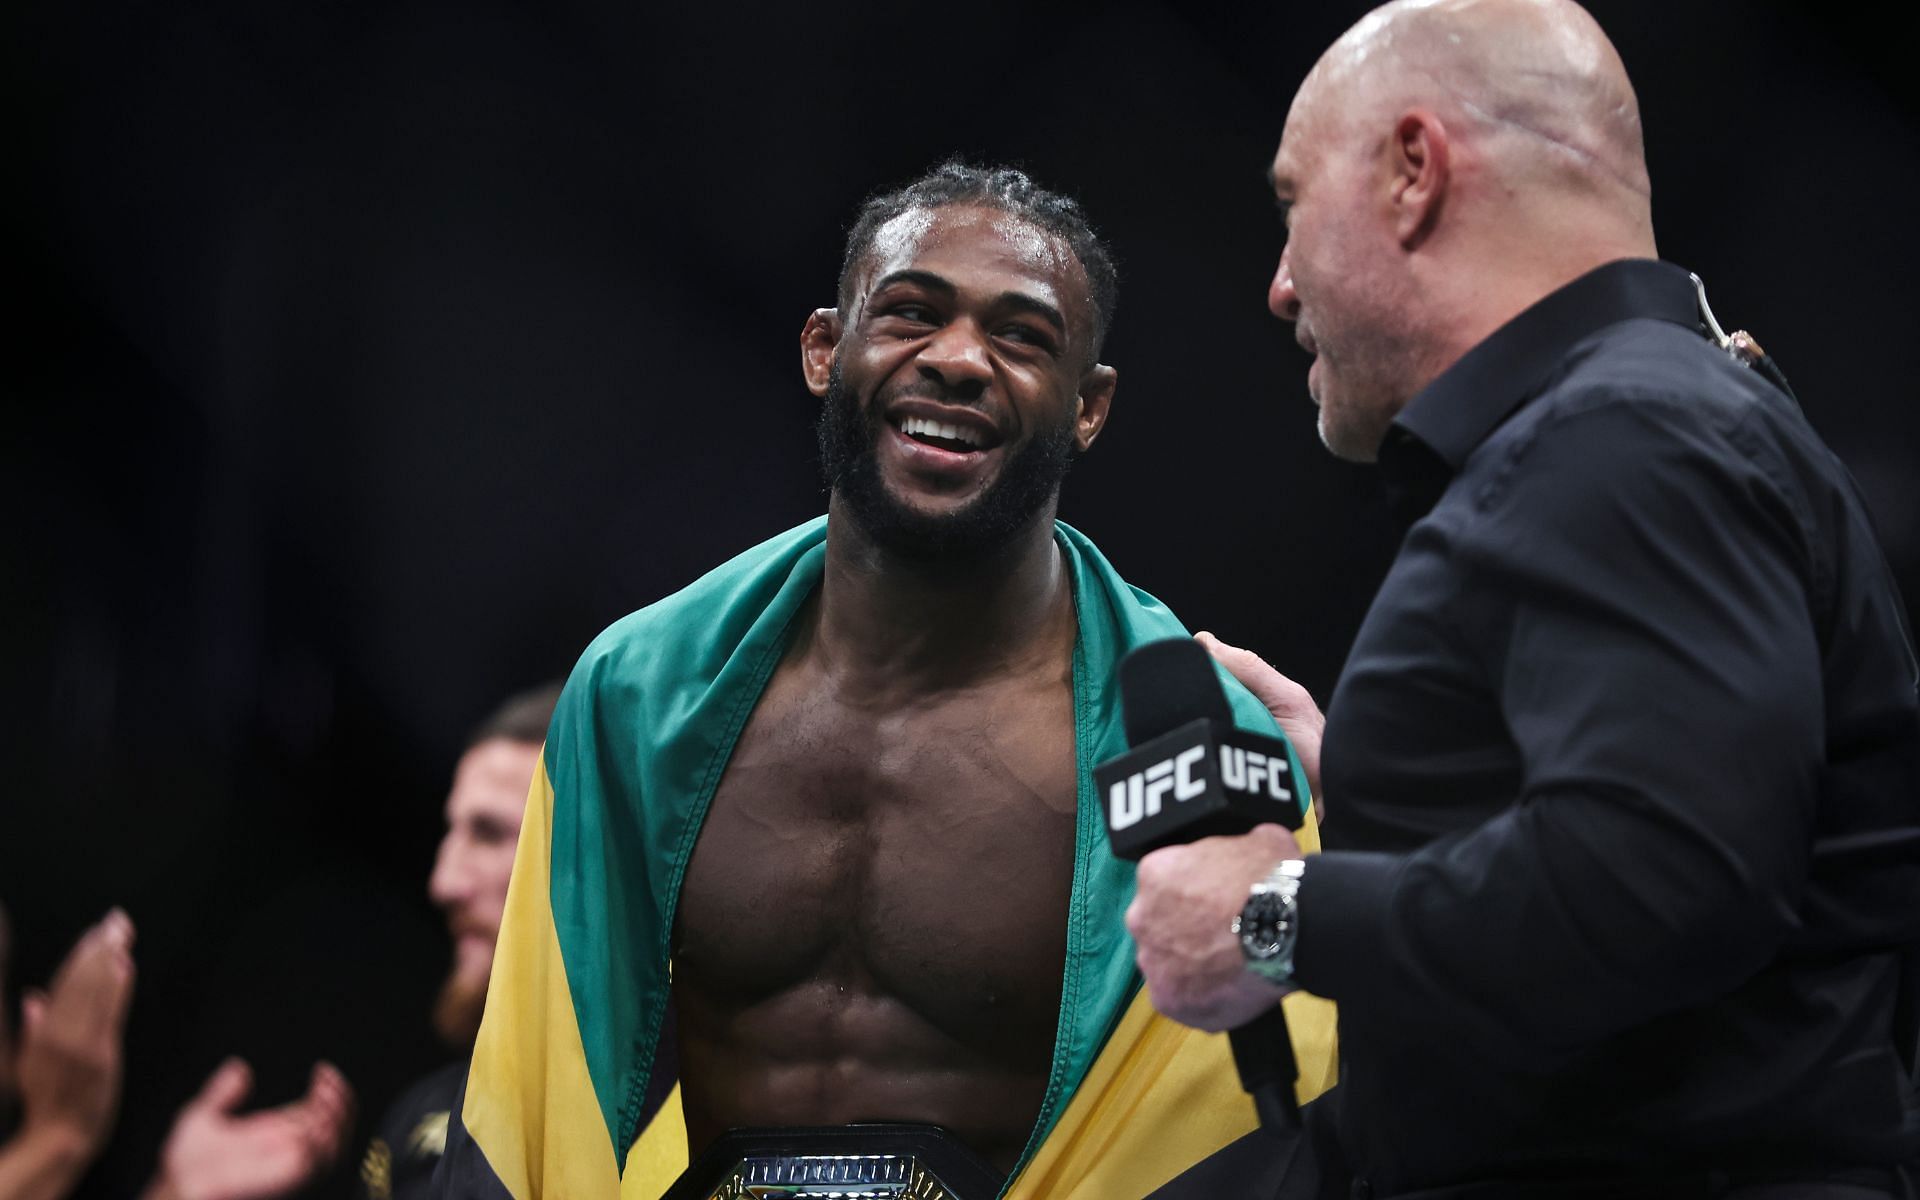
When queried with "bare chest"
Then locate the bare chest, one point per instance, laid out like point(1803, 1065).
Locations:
point(919, 856)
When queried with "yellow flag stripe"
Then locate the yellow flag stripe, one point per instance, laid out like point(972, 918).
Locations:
point(659, 1154)
point(529, 1050)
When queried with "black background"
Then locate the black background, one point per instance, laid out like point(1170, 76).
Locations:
point(367, 359)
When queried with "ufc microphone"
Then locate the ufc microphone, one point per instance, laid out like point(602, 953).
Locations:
point(1191, 773)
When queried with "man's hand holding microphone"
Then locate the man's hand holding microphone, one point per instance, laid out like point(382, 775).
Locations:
point(1199, 804)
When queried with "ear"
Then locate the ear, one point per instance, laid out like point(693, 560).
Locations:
point(1421, 173)
point(1095, 399)
point(819, 340)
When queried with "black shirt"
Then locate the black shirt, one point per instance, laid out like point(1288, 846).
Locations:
point(1622, 776)
point(400, 1160)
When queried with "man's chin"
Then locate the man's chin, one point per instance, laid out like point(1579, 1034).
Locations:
point(1347, 442)
point(458, 1008)
point(949, 529)
point(912, 505)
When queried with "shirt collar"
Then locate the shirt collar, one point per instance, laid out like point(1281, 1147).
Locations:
point(1440, 427)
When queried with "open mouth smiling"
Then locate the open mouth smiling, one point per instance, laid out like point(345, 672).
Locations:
point(945, 437)
point(948, 433)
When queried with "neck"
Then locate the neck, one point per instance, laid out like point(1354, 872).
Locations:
point(1536, 266)
point(898, 622)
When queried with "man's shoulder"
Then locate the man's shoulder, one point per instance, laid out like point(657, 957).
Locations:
point(400, 1158)
point(663, 659)
point(739, 587)
point(1139, 614)
point(1641, 432)
point(1647, 392)
point(426, 1098)
point(1115, 617)
point(1659, 366)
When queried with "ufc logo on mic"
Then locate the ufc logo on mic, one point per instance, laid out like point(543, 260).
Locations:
point(1143, 794)
point(1139, 795)
point(1251, 771)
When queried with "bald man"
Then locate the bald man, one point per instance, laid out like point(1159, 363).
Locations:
point(1622, 888)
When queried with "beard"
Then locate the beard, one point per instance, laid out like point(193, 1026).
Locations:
point(457, 1009)
point(849, 459)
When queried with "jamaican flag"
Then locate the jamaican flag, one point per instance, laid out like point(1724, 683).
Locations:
point(563, 1099)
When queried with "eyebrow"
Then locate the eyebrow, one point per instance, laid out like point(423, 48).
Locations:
point(1021, 302)
point(1018, 301)
point(925, 279)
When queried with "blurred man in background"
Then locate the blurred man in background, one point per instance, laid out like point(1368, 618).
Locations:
point(470, 873)
point(469, 884)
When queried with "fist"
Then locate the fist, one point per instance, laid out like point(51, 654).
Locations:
point(1181, 919)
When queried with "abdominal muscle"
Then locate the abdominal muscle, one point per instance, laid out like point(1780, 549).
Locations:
point(833, 1053)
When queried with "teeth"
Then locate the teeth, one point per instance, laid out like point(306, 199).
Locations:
point(922, 425)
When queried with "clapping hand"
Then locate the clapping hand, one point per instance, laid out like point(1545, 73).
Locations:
point(68, 1071)
point(215, 1153)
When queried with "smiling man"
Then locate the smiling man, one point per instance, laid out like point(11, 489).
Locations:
point(834, 799)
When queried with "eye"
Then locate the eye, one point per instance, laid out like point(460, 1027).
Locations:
point(489, 832)
point(917, 313)
point(1029, 335)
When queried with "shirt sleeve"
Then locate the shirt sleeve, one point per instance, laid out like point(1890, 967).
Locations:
point(1635, 584)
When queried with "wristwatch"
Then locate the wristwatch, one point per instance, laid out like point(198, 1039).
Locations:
point(1269, 924)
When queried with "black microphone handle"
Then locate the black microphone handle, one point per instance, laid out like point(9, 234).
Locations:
point(1263, 1054)
point(1164, 685)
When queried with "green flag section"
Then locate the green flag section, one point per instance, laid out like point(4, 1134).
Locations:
point(557, 1097)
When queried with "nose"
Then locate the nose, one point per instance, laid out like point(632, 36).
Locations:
point(956, 358)
point(450, 881)
point(1282, 300)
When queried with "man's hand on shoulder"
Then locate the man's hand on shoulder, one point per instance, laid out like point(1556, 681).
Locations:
point(1292, 706)
point(1181, 919)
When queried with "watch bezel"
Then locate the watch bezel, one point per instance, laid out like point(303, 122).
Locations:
point(1261, 925)
point(1268, 923)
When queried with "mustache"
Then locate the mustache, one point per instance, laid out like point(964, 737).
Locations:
point(927, 389)
point(460, 925)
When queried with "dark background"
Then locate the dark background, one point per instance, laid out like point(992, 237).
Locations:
point(367, 359)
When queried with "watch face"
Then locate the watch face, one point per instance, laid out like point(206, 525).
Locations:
point(1262, 926)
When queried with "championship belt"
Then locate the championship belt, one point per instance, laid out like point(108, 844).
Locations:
point(911, 1162)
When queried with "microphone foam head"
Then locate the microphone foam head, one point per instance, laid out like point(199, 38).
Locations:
point(1166, 684)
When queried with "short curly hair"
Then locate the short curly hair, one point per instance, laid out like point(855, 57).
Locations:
point(1009, 190)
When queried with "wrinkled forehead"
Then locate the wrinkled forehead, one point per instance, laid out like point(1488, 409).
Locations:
point(977, 247)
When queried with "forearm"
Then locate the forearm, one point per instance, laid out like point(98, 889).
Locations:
point(42, 1163)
